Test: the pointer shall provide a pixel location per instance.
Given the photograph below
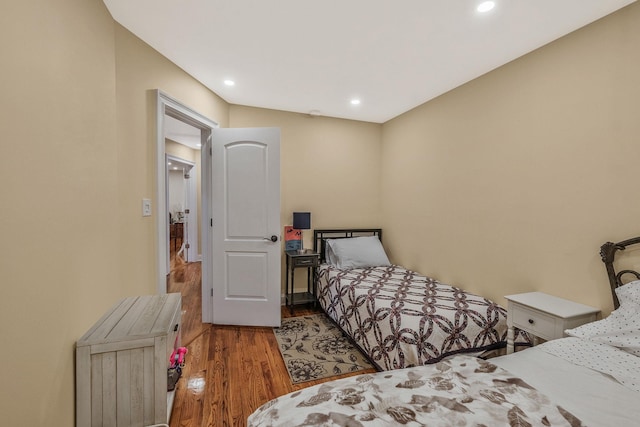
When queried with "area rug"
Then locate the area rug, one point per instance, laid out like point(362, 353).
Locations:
point(313, 347)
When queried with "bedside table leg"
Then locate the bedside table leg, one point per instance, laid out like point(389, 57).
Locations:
point(293, 280)
point(510, 339)
point(287, 295)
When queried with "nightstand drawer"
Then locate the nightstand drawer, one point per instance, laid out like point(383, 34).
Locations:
point(533, 321)
point(305, 261)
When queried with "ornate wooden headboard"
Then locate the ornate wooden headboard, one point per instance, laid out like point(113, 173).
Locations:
point(608, 252)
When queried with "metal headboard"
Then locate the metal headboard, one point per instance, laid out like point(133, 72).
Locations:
point(607, 253)
point(320, 237)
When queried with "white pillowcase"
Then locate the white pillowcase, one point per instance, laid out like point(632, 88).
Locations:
point(629, 292)
point(621, 328)
point(356, 252)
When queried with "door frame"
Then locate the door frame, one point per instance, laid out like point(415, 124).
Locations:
point(191, 204)
point(168, 105)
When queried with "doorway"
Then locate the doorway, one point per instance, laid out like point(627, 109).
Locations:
point(242, 202)
point(182, 205)
point(172, 115)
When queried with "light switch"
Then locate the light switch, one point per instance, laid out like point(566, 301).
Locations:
point(146, 207)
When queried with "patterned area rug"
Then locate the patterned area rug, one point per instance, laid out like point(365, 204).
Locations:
point(313, 347)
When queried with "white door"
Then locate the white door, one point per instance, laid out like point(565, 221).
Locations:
point(246, 226)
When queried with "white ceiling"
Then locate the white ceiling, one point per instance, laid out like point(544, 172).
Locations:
point(181, 132)
point(302, 56)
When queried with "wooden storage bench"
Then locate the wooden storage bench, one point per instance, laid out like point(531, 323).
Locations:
point(122, 361)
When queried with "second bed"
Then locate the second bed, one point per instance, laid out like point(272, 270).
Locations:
point(396, 316)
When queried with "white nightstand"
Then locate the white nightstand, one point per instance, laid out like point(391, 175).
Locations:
point(544, 316)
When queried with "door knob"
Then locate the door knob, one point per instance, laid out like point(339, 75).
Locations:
point(273, 238)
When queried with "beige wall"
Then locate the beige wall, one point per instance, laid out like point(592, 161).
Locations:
point(140, 70)
point(512, 182)
point(59, 227)
point(329, 167)
point(180, 150)
point(78, 143)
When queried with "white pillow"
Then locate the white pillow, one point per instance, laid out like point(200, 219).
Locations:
point(620, 329)
point(629, 292)
point(356, 252)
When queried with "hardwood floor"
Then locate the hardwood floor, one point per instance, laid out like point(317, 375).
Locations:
point(189, 283)
point(230, 370)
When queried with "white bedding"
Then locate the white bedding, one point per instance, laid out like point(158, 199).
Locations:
point(532, 387)
point(594, 397)
point(461, 391)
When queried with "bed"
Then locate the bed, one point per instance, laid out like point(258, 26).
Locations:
point(589, 378)
point(397, 317)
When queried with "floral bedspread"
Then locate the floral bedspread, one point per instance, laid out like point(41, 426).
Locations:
point(400, 318)
point(459, 391)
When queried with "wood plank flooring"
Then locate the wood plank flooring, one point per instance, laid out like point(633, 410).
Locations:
point(230, 370)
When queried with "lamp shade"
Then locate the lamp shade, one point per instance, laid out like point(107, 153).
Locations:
point(302, 220)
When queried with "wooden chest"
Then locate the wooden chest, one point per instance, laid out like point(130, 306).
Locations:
point(122, 361)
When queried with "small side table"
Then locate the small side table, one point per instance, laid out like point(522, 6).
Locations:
point(544, 316)
point(308, 260)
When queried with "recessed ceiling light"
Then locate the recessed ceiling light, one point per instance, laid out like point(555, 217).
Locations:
point(486, 6)
point(169, 163)
point(229, 82)
point(198, 145)
point(355, 101)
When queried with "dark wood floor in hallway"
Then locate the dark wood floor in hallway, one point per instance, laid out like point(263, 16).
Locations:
point(230, 370)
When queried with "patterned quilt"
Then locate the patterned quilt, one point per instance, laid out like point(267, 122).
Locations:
point(460, 391)
point(401, 319)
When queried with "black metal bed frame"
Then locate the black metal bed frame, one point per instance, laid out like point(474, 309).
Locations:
point(607, 253)
point(320, 237)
